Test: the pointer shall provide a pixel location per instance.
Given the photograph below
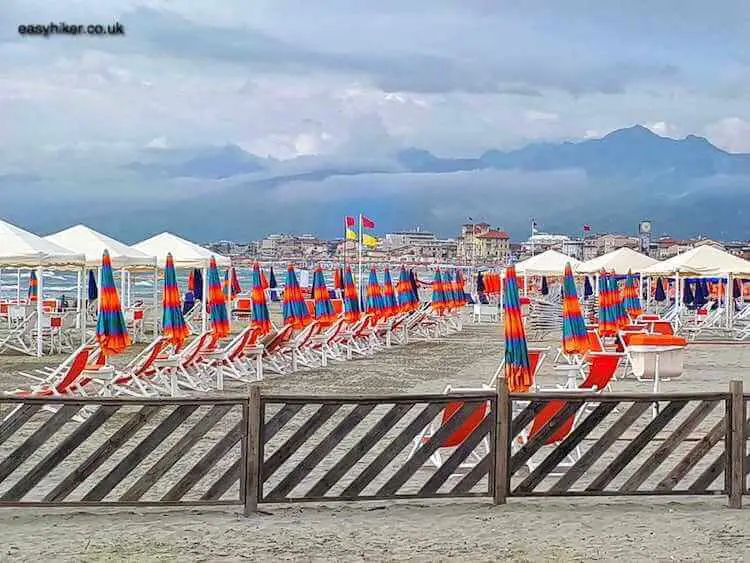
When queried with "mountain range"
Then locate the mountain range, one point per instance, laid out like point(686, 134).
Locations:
point(686, 187)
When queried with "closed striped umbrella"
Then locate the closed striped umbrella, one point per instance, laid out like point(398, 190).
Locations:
point(273, 285)
point(461, 288)
point(574, 339)
point(174, 328)
point(389, 295)
point(293, 303)
point(631, 297)
point(261, 320)
point(33, 292)
point(407, 301)
point(518, 376)
point(439, 304)
point(375, 303)
point(351, 299)
point(621, 314)
point(111, 330)
point(607, 312)
point(323, 307)
point(93, 292)
point(659, 293)
point(217, 303)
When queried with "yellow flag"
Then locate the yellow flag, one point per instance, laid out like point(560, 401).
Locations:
point(351, 235)
point(369, 240)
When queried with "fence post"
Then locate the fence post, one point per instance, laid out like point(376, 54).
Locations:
point(252, 447)
point(736, 457)
point(502, 442)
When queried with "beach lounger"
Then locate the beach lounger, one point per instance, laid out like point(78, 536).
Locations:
point(182, 368)
point(19, 338)
point(275, 357)
point(328, 344)
point(139, 378)
point(536, 359)
point(226, 360)
point(455, 439)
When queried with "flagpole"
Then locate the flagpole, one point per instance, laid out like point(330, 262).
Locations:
point(359, 267)
point(346, 240)
point(532, 237)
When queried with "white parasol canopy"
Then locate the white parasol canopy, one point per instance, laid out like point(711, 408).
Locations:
point(22, 249)
point(619, 261)
point(186, 254)
point(93, 244)
point(704, 260)
point(548, 263)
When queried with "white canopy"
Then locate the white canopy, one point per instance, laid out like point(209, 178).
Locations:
point(548, 263)
point(704, 260)
point(22, 249)
point(93, 244)
point(186, 254)
point(618, 261)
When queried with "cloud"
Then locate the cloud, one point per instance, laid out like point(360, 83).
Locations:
point(731, 133)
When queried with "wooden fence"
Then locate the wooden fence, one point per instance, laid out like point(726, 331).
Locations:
point(289, 448)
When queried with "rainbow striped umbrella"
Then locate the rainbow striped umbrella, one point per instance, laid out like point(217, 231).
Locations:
point(461, 287)
point(323, 307)
point(607, 313)
point(449, 289)
point(736, 288)
point(439, 302)
point(173, 324)
point(389, 296)
point(338, 279)
point(197, 284)
point(33, 292)
point(375, 302)
point(351, 300)
point(574, 339)
point(518, 376)
point(293, 303)
point(261, 319)
point(631, 299)
point(407, 301)
point(620, 313)
point(111, 330)
point(236, 288)
point(414, 285)
point(217, 303)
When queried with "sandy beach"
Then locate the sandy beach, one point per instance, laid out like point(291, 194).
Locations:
point(644, 528)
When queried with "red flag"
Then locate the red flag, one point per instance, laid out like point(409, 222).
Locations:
point(350, 222)
point(587, 228)
point(367, 223)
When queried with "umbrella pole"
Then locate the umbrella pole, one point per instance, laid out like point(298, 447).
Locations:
point(230, 271)
point(204, 313)
point(18, 286)
point(729, 301)
point(155, 297)
point(39, 297)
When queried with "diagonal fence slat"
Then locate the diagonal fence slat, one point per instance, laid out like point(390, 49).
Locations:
point(359, 450)
point(223, 483)
point(658, 457)
point(205, 464)
point(296, 440)
point(565, 448)
point(693, 457)
point(553, 425)
point(423, 453)
point(34, 476)
point(137, 421)
point(709, 475)
point(458, 456)
point(469, 481)
point(627, 455)
point(593, 453)
point(523, 418)
point(417, 425)
point(175, 453)
point(16, 419)
point(37, 438)
point(334, 437)
point(140, 452)
point(279, 420)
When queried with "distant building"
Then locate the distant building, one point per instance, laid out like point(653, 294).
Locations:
point(408, 238)
point(479, 243)
point(539, 242)
point(609, 242)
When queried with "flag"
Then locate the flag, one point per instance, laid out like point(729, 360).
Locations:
point(587, 228)
point(470, 218)
point(367, 223)
point(351, 235)
point(369, 240)
point(350, 222)
point(533, 227)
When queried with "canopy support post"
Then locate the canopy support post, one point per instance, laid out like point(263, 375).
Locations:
point(39, 297)
point(204, 313)
point(155, 296)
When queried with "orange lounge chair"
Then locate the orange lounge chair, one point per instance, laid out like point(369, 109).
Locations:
point(536, 359)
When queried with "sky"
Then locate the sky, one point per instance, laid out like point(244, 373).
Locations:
point(285, 78)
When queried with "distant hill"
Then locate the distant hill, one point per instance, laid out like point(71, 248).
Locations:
point(686, 186)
